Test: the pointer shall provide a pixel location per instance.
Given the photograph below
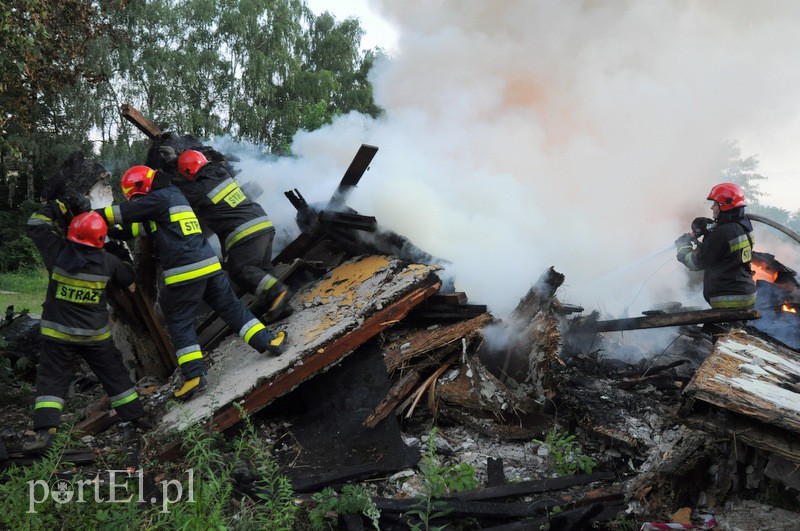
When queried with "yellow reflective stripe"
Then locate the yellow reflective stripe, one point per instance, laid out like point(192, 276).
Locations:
point(256, 328)
point(40, 216)
point(247, 232)
point(108, 212)
point(49, 332)
point(122, 401)
point(135, 229)
point(191, 356)
point(225, 191)
point(76, 282)
point(733, 301)
point(740, 245)
point(178, 216)
point(54, 405)
point(189, 275)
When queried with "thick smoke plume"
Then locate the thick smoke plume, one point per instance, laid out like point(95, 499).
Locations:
point(520, 135)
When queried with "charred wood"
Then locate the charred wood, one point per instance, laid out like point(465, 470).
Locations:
point(676, 319)
point(144, 125)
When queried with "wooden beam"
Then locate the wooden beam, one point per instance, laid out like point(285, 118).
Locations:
point(321, 359)
point(676, 319)
point(96, 423)
point(394, 397)
point(142, 124)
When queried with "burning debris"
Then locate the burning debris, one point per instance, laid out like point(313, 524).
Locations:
point(380, 350)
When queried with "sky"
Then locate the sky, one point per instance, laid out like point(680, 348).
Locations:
point(520, 135)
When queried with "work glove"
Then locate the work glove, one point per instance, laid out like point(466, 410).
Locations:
point(167, 153)
point(76, 202)
point(213, 155)
point(700, 226)
point(684, 241)
point(684, 246)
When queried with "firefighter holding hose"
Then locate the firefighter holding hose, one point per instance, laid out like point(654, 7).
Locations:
point(724, 252)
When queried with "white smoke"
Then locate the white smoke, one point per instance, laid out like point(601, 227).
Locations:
point(520, 135)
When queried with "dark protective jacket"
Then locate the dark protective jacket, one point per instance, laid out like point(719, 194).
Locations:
point(223, 207)
point(75, 308)
point(183, 251)
point(724, 255)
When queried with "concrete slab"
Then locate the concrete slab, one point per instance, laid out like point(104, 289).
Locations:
point(331, 317)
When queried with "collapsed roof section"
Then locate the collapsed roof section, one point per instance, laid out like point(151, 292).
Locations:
point(331, 317)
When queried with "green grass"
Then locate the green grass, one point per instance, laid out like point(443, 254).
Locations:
point(28, 287)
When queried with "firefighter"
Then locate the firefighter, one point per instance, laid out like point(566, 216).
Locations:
point(725, 250)
point(75, 316)
point(243, 228)
point(191, 271)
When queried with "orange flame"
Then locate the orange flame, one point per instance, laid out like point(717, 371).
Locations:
point(763, 271)
point(787, 308)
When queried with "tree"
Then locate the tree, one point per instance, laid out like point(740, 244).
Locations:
point(43, 45)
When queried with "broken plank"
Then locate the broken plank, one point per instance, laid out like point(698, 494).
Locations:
point(535, 486)
point(676, 319)
point(323, 357)
point(453, 299)
point(419, 343)
point(396, 394)
point(750, 376)
point(142, 124)
point(332, 316)
point(74, 456)
point(96, 423)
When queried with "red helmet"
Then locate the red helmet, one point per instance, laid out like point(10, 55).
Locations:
point(190, 162)
point(89, 229)
point(727, 196)
point(137, 181)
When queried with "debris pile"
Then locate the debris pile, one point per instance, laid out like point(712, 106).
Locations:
point(556, 428)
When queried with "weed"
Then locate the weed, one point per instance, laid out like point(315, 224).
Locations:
point(438, 480)
point(19, 494)
point(566, 457)
point(620, 523)
point(353, 499)
point(276, 508)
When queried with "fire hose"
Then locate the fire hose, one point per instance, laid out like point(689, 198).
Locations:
point(789, 232)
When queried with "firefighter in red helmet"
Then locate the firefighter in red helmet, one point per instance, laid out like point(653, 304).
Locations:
point(725, 250)
point(242, 226)
point(75, 320)
point(192, 273)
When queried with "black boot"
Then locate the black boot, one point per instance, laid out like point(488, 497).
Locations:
point(39, 443)
point(276, 304)
point(277, 346)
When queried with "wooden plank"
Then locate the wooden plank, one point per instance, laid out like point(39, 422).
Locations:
point(676, 319)
point(394, 397)
point(324, 357)
point(140, 122)
point(752, 377)
point(96, 423)
point(535, 486)
point(422, 342)
point(162, 342)
point(744, 430)
point(353, 175)
point(453, 299)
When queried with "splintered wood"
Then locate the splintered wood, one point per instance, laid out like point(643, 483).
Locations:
point(750, 376)
point(751, 386)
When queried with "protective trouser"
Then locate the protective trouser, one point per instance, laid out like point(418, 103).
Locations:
point(249, 263)
point(54, 375)
point(180, 303)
